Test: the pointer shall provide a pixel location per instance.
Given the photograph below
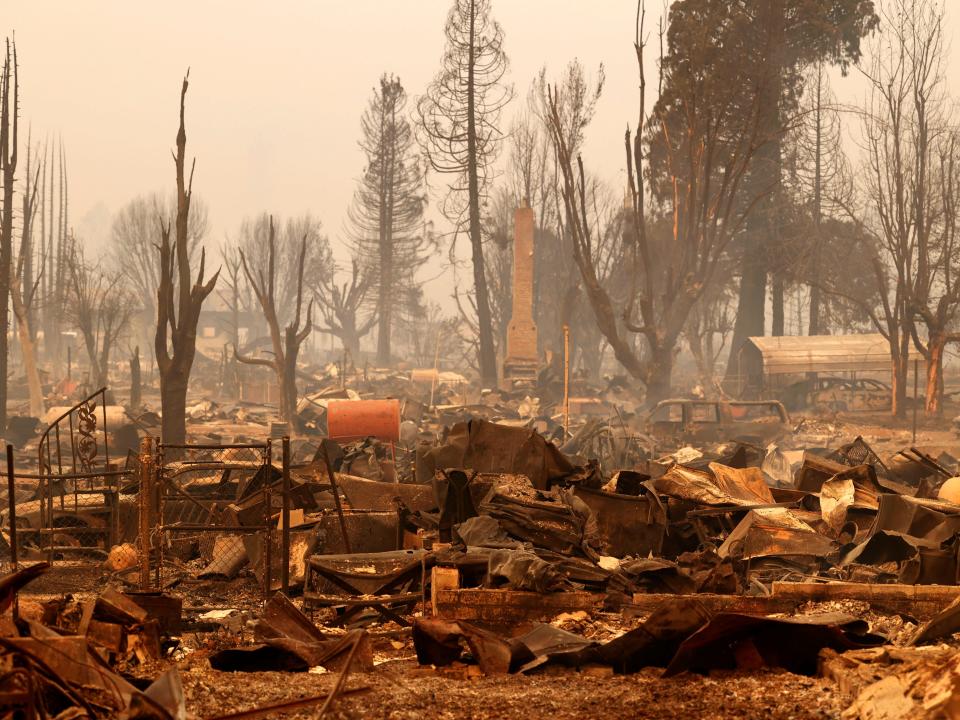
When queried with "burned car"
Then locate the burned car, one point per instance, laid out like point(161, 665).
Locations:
point(837, 394)
point(696, 422)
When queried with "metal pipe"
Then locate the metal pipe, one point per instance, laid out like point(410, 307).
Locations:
point(212, 446)
point(566, 381)
point(916, 371)
point(285, 537)
point(106, 443)
point(12, 501)
point(267, 541)
point(336, 499)
point(146, 470)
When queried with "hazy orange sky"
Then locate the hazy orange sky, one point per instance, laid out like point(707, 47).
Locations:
point(277, 89)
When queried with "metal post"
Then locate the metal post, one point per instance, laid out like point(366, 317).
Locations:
point(12, 519)
point(268, 525)
point(436, 370)
point(146, 491)
point(336, 497)
point(12, 499)
point(285, 537)
point(916, 371)
point(156, 509)
point(106, 444)
point(566, 381)
point(267, 542)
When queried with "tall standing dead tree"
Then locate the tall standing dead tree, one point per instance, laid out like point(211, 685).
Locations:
point(179, 299)
point(51, 251)
point(286, 343)
point(9, 110)
point(459, 117)
point(23, 291)
point(818, 179)
point(386, 217)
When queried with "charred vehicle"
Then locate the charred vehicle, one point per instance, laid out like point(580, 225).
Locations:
point(837, 394)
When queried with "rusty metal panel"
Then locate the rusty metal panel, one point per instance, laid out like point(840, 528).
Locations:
point(511, 606)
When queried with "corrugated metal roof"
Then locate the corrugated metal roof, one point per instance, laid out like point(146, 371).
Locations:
point(822, 353)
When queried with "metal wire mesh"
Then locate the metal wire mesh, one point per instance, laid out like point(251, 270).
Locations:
point(213, 509)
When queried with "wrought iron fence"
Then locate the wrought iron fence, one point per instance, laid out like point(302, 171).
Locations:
point(78, 509)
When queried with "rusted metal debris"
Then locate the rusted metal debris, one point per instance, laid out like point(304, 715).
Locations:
point(52, 671)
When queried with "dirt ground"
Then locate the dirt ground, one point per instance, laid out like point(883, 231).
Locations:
point(401, 690)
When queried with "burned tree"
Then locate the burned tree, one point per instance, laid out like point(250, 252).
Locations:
point(52, 249)
point(136, 381)
point(235, 296)
point(459, 117)
point(286, 342)
point(9, 110)
point(23, 290)
point(133, 242)
point(817, 181)
point(911, 185)
point(386, 217)
point(771, 42)
point(341, 304)
point(234, 292)
point(100, 307)
point(704, 136)
point(179, 299)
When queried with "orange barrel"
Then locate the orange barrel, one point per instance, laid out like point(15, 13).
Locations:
point(358, 419)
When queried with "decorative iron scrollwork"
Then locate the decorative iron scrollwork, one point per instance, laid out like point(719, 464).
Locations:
point(87, 443)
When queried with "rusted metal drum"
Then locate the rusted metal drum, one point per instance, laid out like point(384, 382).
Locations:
point(357, 419)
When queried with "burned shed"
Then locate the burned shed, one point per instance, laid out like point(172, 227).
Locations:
point(768, 362)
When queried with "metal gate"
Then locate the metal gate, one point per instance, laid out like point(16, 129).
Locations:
point(212, 500)
point(77, 510)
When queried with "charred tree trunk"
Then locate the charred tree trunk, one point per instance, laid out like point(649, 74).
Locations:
point(136, 380)
point(28, 351)
point(289, 380)
point(23, 302)
point(488, 355)
point(9, 110)
point(173, 401)
point(777, 306)
point(815, 302)
point(900, 361)
point(286, 343)
point(178, 308)
point(762, 225)
point(934, 373)
point(385, 290)
point(659, 374)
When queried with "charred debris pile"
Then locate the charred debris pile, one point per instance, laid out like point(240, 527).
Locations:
point(480, 542)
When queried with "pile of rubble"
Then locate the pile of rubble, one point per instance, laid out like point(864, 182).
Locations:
point(485, 548)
